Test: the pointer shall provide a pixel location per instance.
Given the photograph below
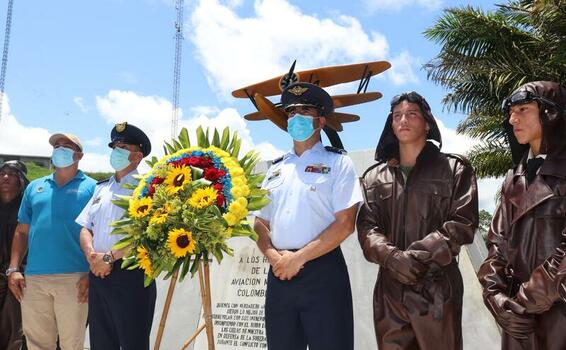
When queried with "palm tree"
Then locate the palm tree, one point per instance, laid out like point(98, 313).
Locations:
point(485, 56)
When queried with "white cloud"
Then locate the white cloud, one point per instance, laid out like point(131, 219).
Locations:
point(19, 139)
point(401, 71)
point(153, 115)
point(16, 138)
point(488, 190)
point(452, 142)
point(80, 103)
point(95, 142)
point(96, 162)
point(234, 3)
point(396, 5)
point(207, 110)
point(236, 51)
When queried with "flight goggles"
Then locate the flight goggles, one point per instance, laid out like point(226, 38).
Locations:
point(411, 97)
point(522, 97)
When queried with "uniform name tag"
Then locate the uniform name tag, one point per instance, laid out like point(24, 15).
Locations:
point(318, 169)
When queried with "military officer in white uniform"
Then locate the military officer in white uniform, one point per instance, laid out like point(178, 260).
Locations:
point(314, 194)
point(120, 308)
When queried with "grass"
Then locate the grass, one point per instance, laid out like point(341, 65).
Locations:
point(35, 171)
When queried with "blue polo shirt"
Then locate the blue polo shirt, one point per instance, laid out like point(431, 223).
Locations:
point(50, 211)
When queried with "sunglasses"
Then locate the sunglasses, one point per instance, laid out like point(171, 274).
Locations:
point(411, 97)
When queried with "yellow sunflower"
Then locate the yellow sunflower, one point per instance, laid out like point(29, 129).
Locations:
point(177, 178)
point(144, 261)
point(181, 242)
point(140, 208)
point(203, 197)
point(160, 215)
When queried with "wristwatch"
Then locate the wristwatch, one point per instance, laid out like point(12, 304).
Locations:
point(108, 258)
point(11, 270)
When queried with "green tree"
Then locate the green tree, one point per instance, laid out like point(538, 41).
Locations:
point(485, 56)
point(485, 218)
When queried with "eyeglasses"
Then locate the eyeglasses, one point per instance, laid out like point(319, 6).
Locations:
point(411, 97)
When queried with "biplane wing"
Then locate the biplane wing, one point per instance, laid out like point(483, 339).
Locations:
point(268, 110)
point(354, 99)
point(271, 112)
point(345, 117)
point(339, 101)
point(326, 76)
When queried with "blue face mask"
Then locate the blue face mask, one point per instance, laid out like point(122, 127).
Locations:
point(119, 158)
point(300, 127)
point(62, 157)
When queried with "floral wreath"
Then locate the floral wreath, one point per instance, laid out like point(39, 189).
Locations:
point(189, 204)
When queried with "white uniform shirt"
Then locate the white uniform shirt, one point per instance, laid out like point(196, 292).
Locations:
point(100, 212)
point(305, 194)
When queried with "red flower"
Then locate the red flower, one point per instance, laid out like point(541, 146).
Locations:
point(194, 161)
point(151, 190)
point(220, 200)
point(213, 174)
point(157, 181)
point(218, 187)
point(185, 162)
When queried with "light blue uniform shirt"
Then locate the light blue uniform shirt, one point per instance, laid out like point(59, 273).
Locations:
point(50, 211)
point(306, 192)
point(100, 212)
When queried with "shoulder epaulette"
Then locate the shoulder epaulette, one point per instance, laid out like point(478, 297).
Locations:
point(335, 150)
point(103, 181)
point(277, 160)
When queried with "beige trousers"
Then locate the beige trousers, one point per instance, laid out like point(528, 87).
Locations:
point(50, 308)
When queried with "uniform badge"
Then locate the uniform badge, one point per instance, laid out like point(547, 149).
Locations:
point(297, 90)
point(317, 169)
point(39, 189)
point(120, 127)
point(96, 200)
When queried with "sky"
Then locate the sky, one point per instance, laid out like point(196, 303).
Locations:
point(82, 66)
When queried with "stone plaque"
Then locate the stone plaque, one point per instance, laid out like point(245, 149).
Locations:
point(238, 298)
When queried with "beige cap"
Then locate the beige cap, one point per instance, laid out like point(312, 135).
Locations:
point(55, 137)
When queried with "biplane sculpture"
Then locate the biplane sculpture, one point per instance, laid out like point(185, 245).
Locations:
point(323, 77)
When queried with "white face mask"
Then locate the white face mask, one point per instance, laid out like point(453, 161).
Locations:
point(62, 157)
point(119, 158)
point(300, 127)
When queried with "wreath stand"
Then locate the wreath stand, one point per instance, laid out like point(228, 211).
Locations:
point(204, 282)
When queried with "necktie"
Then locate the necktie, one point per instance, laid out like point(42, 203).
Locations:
point(532, 168)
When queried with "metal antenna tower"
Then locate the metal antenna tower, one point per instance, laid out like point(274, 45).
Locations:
point(177, 68)
point(5, 53)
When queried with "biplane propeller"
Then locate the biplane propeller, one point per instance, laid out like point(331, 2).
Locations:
point(323, 77)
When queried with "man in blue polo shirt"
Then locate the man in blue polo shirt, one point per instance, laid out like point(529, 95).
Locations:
point(54, 292)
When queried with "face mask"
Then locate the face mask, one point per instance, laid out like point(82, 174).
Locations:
point(119, 158)
point(300, 127)
point(62, 157)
